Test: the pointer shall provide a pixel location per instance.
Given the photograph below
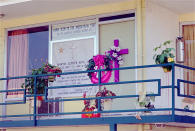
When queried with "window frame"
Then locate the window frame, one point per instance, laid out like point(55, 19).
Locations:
point(181, 24)
point(6, 58)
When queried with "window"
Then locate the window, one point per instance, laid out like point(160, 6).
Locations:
point(189, 47)
point(26, 49)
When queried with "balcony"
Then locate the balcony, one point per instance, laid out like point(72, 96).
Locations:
point(167, 88)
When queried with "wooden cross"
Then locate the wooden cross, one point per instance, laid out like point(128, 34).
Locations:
point(116, 64)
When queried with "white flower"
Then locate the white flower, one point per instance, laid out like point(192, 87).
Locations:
point(114, 55)
point(95, 67)
point(119, 58)
point(120, 62)
point(117, 49)
point(107, 52)
point(113, 48)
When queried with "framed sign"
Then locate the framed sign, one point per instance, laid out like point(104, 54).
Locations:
point(72, 55)
point(74, 29)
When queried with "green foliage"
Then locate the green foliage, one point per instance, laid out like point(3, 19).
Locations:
point(41, 82)
point(147, 100)
point(162, 58)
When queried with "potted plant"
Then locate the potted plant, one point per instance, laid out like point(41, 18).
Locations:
point(165, 56)
point(147, 102)
point(41, 82)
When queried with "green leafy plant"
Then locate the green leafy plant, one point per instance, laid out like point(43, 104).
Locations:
point(147, 102)
point(41, 82)
point(166, 54)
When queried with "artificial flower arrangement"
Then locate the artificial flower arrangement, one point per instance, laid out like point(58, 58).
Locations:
point(114, 53)
point(166, 55)
point(104, 93)
point(41, 82)
point(90, 107)
point(147, 102)
point(100, 62)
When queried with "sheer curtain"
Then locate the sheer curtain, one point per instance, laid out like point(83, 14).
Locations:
point(189, 41)
point(17, 60)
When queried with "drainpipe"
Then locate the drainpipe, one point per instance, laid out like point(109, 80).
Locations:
point(140, 16)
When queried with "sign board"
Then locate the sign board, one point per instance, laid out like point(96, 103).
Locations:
point(73, 30)
point(71, 56)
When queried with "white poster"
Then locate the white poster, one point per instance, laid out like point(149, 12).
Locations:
point(72, 56)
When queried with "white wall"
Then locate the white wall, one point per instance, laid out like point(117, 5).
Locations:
point(161, 25)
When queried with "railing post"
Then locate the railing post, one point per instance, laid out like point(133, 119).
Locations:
point(99, 82)
point(173, 91)
point(35, 102)
point(113, 127)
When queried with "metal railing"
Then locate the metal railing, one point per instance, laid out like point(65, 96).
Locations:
point(175, 85)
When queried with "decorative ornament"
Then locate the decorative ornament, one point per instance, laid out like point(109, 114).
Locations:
point(89, 108)
point(116, 53)
point(100, 62)
point(104, 93)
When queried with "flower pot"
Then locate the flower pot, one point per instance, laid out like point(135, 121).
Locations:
point(39, 102)
point(51, 78)
point(167, 68)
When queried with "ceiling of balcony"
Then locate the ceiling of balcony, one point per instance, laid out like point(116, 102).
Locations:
point(34, 7)
point(177, 6)
point(23, 8)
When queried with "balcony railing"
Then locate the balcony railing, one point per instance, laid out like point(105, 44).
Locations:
point(169, 113)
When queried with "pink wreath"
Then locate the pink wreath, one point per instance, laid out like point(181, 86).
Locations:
point(100, 62)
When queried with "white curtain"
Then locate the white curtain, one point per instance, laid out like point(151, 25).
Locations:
point(17, 60)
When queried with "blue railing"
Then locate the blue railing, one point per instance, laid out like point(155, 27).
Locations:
point(174, 85)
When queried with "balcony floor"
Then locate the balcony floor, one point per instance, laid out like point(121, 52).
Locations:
point(178, 120)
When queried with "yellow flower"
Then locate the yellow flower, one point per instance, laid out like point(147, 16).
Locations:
point(170, 59)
